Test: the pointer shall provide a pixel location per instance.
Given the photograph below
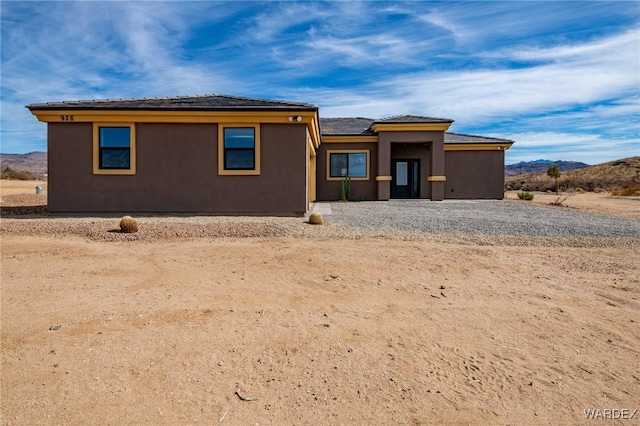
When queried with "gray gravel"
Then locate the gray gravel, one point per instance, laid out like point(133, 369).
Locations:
point(509, 223)
point(487, 217)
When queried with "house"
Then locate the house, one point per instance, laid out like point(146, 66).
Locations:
point(219, 154)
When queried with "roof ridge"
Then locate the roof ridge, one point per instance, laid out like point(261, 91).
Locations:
point(179, 101)
point(477, 136)
point(400, 117)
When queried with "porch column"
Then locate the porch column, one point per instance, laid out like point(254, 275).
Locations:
point(437, 177)
point(383, 176)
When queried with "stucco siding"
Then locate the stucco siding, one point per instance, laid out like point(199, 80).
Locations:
point(177, 171)
point(474, 174)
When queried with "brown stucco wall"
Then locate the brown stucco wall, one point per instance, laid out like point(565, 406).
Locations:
point(361, 189)
point(177, 171)
point(474, 174)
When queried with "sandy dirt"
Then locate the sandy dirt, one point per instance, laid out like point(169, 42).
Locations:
point(14, 187)
point(315, 331)
point(591, 202)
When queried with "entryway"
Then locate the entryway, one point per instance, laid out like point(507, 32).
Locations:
point(405, 178)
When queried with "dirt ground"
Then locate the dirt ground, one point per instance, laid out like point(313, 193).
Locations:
point(591, 202)
point(315, 331)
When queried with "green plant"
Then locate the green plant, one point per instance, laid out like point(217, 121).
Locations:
point(525, 196)
point(554, 172)
point(345, 189)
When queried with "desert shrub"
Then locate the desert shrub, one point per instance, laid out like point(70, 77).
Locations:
point(525, 196)
point(315, 218)
point(9, 173)
point(629, 190)
point(599, 190)
point(128, 225)
point(554, 172)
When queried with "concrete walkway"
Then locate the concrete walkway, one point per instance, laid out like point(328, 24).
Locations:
point(323, 208)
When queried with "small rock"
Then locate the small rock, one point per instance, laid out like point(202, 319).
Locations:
point(55, 327)
point(442, 287)
point(315, 218)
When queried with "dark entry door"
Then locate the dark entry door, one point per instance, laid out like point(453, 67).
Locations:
point(405, 178)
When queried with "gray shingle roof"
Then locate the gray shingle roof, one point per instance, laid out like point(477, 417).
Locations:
point(200, 102)
point(462, 138)
point(362, 126)
point(346, 126)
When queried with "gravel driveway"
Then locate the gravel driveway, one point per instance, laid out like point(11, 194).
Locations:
point(488, 222)
point(489, 217)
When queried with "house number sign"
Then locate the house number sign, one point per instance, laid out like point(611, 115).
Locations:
point(66, 118)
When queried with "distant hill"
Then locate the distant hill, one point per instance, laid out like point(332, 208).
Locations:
point(613, 174)
point(539, 166)
point(34, 162)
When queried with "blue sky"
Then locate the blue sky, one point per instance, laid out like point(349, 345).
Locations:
point(560, 78)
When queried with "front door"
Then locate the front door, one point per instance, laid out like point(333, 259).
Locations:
point(405, 178)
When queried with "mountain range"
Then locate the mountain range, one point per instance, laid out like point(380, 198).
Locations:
point(34, 162)
point(621, 173)
point(539, 166)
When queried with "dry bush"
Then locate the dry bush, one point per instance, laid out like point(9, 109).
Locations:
point(315, 218)
point(128, 225)
point(9, 173)
point(562, 197)
point(629, 190)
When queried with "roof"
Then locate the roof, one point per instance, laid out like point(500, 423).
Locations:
point(346, 126)
point(363, 126)
point(199, 102)
point(453, 138)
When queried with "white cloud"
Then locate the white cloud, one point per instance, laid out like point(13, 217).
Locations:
point(602, 71)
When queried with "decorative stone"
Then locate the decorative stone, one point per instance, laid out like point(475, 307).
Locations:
point(128, 225)
point(315, 218)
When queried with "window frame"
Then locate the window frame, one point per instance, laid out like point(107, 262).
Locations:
point(222, 170)
point(349, 151)
point(97, 170)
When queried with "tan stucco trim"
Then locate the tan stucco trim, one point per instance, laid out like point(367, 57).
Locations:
point(96, 150)
point(346, 151)
point(437, 178)
point(221, 169)
point(477, 147)
point(383, 178)
point(312, 148)
point(309, 118)
point(410, 127)
point(313, 127)
point(349, 139)
point(183, 116)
